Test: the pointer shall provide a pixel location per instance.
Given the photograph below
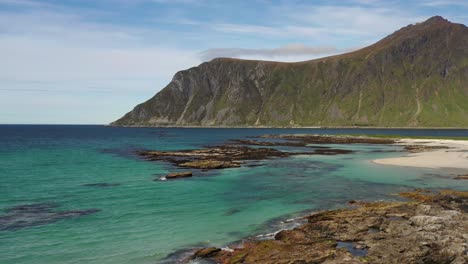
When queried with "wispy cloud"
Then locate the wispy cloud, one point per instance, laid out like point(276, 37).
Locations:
point(52, 46)
point(24, 3)
point(439, 3)
point(123, 51)
point(292, 50)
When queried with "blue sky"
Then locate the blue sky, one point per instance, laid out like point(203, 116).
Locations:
point(90, 62)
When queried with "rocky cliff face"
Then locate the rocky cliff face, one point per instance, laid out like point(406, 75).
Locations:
point(418, 76)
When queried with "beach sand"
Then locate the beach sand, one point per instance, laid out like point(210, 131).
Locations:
point(453, 157)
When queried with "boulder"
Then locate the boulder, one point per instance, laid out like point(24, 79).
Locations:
point(176, 175)
point(462, 177)
point(206, 253)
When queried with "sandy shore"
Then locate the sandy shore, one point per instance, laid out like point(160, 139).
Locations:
point(454, 157)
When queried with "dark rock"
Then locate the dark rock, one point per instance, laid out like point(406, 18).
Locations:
point(210, 164)
point(422, 148)
point(231, 156)
point(176, 175)
point(462, 177)
point(215, 157)
point(269, 143)
point(332, 151)
point(325, 139)
point(206, 252)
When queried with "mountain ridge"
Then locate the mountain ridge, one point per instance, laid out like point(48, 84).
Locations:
point(415, 77)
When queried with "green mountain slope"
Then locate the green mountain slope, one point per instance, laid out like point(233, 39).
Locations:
point(416, 77)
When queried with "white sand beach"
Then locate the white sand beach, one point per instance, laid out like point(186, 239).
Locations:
point(455, 156)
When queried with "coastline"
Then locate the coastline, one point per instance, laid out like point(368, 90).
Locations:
point(283, 245)
point(434, 154)
point(286, 127)
point(429, 227)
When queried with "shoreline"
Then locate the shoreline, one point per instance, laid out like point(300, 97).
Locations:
point(433, 154)
point(427, 226)
point(445, 154)
point(286, 127)
point(454, 155)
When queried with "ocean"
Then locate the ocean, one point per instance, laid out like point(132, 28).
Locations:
point(80, 194)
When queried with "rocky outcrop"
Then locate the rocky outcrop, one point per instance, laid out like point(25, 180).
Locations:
point(206, 253)
point(432, 229)
point(462, 177)
point(330, 139)
point(216, 157)
point(236, 153)
point(422, 148)
point(417, 76)
point(177, 175)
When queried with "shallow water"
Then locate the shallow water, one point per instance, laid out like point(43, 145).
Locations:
point(107, 209)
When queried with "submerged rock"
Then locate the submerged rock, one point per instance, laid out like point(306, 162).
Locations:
point(429, 230)
point(29, 215)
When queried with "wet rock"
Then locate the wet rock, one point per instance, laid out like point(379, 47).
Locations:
point(216, 157)
point(332, 151)
point(418, 195)
point(462, 177)
point(233, 156)
point(357, 250)
point(206, 253)
point(422, 148)
point(426, 230)
point(23, 216)
point(210, 164)
point(269, 143)
point(176, 175)
point(326, 139)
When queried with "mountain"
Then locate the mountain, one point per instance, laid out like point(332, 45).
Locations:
point(415, 77)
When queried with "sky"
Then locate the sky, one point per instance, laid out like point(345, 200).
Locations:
point(90, 62)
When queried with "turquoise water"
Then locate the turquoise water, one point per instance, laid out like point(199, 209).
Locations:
point(142, 221)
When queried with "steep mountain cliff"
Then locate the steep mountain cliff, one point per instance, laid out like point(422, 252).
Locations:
point(418, 76)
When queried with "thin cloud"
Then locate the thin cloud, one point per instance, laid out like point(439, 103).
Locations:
point(23, 3)
point(439, 3)
point(292, 50)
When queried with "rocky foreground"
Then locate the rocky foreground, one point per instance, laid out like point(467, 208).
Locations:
point(431, 228)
